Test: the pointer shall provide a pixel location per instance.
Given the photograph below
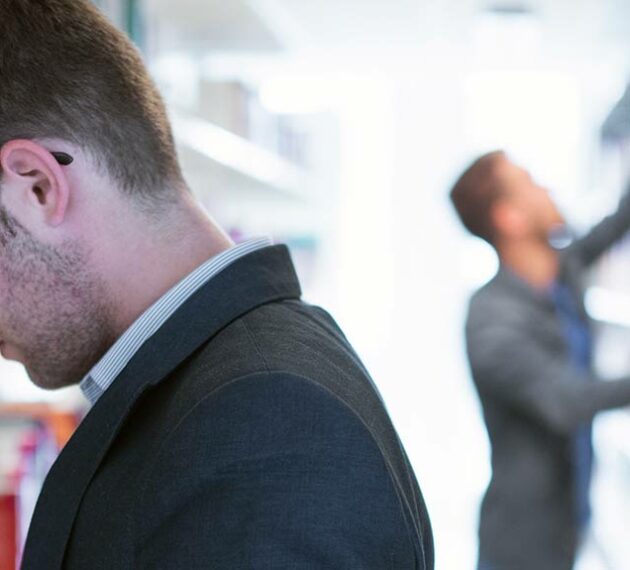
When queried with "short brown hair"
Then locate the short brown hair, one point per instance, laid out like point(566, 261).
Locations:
point(66, 72)
point(475, 192)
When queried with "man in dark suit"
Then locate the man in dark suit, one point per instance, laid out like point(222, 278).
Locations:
point(529, 345)
point(232, 425)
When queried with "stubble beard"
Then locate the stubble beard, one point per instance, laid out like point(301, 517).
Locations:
point(54, 310)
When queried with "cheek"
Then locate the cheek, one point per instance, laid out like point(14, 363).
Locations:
point(18, 320)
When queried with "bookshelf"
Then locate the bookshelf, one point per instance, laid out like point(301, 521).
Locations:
point(31, 437)
point(608, 302)
point(228, 150)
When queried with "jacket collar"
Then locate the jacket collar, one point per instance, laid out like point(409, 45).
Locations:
point(510, 282)
point(570, 272)
point(261, 277)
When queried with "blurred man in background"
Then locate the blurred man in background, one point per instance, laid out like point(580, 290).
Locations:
point(530, 350)
point(232, 425)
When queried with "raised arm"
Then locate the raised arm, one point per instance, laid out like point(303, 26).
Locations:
point(606, 233)
point(511, 366)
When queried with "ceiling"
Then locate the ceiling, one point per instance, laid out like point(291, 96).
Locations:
point(273, 25)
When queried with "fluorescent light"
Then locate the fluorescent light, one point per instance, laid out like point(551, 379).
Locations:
point(504, 32)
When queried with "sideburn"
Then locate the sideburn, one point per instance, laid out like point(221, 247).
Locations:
point(8, 226)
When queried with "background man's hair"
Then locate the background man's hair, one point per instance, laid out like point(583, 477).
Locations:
point(66, 72)
point(475, 192)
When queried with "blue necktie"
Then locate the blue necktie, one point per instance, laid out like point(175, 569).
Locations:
point(579, 341)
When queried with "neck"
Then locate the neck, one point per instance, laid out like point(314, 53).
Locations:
point(147, 260)
point(536, 262)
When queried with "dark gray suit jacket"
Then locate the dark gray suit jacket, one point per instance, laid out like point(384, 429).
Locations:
point(245, 434)
point(533, 399)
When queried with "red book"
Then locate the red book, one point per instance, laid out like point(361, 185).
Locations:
point(8, 531)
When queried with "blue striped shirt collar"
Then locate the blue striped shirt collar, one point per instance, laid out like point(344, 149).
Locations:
point(105, 372)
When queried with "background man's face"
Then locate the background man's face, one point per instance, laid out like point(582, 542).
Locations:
point(532, 200)
point(54, 315)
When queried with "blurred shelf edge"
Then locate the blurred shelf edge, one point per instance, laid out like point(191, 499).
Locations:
point(608, 306)
point(239, 155)
point(61, 421)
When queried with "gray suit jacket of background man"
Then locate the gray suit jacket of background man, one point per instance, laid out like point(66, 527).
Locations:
point(533, 399)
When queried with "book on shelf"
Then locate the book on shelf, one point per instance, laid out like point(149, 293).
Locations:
point(31, 437)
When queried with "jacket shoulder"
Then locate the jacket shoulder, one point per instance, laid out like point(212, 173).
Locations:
point(488, 300)
point(289, 451)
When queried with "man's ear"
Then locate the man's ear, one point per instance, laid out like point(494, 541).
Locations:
point(34, 183)
point(507, 219)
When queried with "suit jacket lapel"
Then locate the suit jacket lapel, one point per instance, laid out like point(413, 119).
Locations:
point(261, 277)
